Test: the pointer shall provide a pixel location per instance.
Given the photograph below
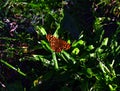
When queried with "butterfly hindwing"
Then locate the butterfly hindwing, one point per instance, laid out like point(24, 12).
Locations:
point(64, 44)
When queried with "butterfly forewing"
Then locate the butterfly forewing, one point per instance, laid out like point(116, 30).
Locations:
point(50, 37)
point(54, 43)
point(57, 44)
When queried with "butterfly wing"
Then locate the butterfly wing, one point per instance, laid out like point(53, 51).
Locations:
point(54, 42)
point(57, 44)
point(64, 44)
point(50, 37)
point(61, 45)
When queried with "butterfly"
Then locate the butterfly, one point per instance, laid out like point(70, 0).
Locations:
point(56, 44)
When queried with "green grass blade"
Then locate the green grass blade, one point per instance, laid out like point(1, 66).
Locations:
point(12, 67)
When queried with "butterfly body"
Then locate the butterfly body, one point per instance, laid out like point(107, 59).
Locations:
point(56, 44)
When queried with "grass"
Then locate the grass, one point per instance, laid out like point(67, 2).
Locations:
point(29, 64)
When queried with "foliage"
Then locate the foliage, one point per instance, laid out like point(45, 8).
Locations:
point(29, 64)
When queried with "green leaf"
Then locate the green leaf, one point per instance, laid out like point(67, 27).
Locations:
point(75, 51)
point(12, 67)
point(80, 42)
point(105, 42)
point(41, 30)
point(104, 68)
point(69, 57)
point(55, 61)
point(46, 45)
point(42, 58)
point(90, 47)
point(89, 72)
point(99, 50)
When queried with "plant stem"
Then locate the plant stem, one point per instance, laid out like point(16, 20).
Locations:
point(12, 67)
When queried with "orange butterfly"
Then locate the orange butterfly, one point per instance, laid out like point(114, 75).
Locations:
point(56, 44)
